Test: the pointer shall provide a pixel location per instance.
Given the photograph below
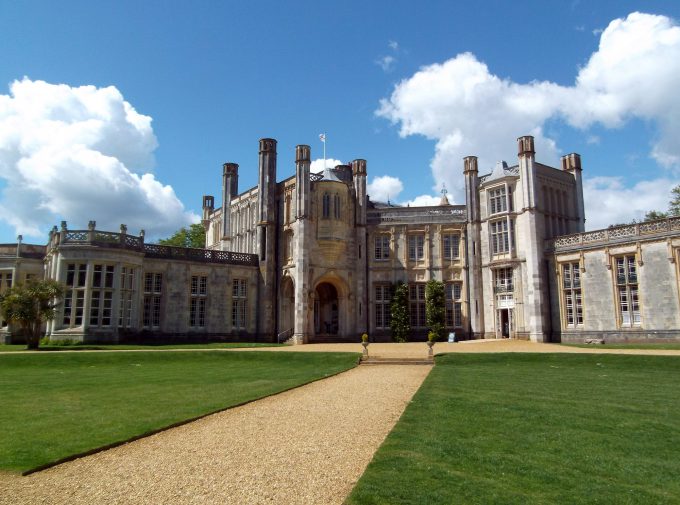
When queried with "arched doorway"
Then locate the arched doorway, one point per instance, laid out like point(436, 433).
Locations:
point(287, 306)
point(326, 310)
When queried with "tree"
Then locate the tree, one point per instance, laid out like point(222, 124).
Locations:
point(435, 305)
point(673, 207)
point(30, 305)
point(194, 236)
point(400, 322)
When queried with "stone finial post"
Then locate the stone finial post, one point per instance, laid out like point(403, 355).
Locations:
point(91, 225)
point(142, 234)
point(20, 238)
point(62, 233)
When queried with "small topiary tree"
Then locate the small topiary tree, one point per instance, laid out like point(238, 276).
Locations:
point(400, 322)
point(30, 305)
point(435, 305)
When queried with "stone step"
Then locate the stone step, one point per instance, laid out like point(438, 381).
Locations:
point(377, 360)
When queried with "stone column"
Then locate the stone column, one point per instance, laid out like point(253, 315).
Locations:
point(229, 191)
point(266, 234)
point(572, 163)
point(473, 250)
point(300, 248)
point(362, 282)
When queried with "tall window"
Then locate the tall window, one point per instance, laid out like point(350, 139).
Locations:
point(326, 202)
point(336, 206)
point(382, 247)
point(288, 205)
point(127, 292)
point(497, 200)
point(153, 290)
point(101, 296)
point(451, 246)
point(383, 298)
point(5, 284)
point(500, 242)
point(571, 287)
point(288, 246)
point(239, 304)
point(454, 312)
point(627, 291)
point(199, 295)
point(74, 297)
point(502, 281)
point(416, 247)
point(416, 294)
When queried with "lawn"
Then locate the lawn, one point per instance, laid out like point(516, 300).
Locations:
point(671, 346)
point(54, 405)
point(534, 428)
point(134, 347)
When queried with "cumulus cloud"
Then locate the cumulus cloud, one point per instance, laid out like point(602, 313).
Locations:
point(317, 165)
point(384, 188)
point(468, 110)
point(80, 153)
point(424, 201)
point(386, 62)
point(608, 201)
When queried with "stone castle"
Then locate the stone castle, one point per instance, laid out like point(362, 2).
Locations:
point(312, 258)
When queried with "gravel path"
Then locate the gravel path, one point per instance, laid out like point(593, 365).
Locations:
point(307, 446)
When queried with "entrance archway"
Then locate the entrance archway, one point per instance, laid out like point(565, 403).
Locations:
point(326, 310)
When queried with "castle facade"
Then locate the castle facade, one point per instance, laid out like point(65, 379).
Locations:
point(312, 258)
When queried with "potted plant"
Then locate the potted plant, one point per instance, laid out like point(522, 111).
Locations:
point(431, 339)
point(364, 342)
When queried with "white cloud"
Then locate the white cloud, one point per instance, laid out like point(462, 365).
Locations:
point(386, 62)
point(467, 110)
point(424, 201)
point(593, 139)
point(608, 201)
point(384, 188)
point(393, 44)
point(317, 165)
point(79, 153)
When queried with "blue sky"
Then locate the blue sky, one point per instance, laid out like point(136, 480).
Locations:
point(178, 88)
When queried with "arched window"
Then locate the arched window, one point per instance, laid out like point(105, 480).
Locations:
point(326, 205)
point(336, 206)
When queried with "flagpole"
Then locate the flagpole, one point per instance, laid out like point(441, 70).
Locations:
point(324, 150)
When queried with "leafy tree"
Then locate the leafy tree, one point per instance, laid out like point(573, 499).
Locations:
point(400, 323)
point(194, 236)
point(435, 305)
point(30, 305)
point(673, 207)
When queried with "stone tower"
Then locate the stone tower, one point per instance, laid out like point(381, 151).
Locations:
point(473, 247)
point(359, 179)
point(530, 230)
point(266, 238)
point(302, 234)
point(229, 191)
point(572, 163)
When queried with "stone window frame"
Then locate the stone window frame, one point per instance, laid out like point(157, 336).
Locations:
point(239, 303)
point(454, 251)
point(127, 291)
point(6, 280)
point(499, 237)
point(337, 206)
point(626, 281)
point(453, 294)
point(198, 300)
point(382, 301)
point(571, 288)
point(73, 306)
point(416, 246)
point(416, 304)
point(153, 299)
point(326, 205)
point(381, 250)
point(497, 199)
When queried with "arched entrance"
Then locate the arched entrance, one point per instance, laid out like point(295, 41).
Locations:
point(287, 306)
point(326, 310)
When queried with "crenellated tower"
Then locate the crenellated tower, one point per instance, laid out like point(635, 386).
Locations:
point(266, 237)
point(361, 201)
point(473, 248)
point(571, 163)
point(303, 231)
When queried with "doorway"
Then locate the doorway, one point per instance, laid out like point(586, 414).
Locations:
point(326, 310)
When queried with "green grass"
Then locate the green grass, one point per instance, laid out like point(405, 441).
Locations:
point(626, 346)
point(53, 405)
point(534, 428)
point(131, 347)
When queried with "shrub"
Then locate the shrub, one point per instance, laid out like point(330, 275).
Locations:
point(400, 322)
point(435, 306)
